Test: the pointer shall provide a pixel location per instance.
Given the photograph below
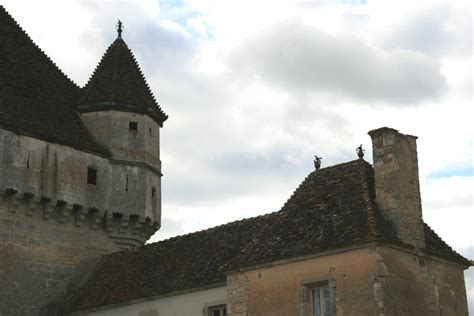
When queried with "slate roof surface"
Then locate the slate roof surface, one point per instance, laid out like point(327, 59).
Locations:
point(36, 98)
point(332, 208)
point(118, 83)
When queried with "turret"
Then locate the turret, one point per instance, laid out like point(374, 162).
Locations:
point(120, 111)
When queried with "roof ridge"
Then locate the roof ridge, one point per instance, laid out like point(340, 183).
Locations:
point(374, 227)
point(325, 169)
point(196, 232)
point(37, 47)
point(444, 242)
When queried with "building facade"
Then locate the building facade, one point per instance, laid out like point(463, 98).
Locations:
point(80, 193)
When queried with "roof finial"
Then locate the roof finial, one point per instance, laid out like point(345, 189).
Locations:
point(119, 28)
point(317, 162)
point(360, 151)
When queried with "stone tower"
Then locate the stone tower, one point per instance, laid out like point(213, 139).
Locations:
point(79, 169)
point(121, 113)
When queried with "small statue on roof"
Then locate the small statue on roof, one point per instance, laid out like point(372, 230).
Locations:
point(119, 28)
point(360, 151)
point(317, 162)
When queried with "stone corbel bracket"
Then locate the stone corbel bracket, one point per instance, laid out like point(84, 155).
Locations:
point(125, 230)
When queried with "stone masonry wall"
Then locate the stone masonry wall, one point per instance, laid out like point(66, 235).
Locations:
point(284, 289)
point(414, 284)
point(44, 252)
point(59, 172)
point(377, 280)
point(54, 225)
point(397, 185)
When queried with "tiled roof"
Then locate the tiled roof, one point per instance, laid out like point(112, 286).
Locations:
point(36, 98)
point(437, 247)
point(118, 83)
point(332, 208)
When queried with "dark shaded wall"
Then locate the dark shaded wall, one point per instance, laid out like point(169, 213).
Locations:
point(41, 257)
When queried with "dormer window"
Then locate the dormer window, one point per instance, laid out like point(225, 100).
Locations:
point(92, 175)
point(133, 126)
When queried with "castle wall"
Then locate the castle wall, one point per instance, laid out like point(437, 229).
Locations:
point(54, 225)
point(58, 172)
point(112, 129)
point(43, 251)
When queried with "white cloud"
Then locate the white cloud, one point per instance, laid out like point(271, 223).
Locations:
point(305, 60)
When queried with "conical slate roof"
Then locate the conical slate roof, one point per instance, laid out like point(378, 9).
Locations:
point(118, 84)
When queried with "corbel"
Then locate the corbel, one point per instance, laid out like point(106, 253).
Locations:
point(49, 207)
point(33, 203)
point(80, 215)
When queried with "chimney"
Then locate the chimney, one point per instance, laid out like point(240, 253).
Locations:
point(397, 186)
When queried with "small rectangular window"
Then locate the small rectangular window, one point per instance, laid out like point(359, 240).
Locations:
point(133, 126)
point(92, 175)
point(320, 301)
point(153, 192)
point(318, 298)
point(219, 310)
point(27, 159)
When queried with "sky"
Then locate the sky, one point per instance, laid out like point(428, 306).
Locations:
point(255, 89)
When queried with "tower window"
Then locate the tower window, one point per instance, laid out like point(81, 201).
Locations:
point(153, 192)
point(28, 159)
point(92, 175)
point(149, 130)
point(133, 126)
point(126, 183)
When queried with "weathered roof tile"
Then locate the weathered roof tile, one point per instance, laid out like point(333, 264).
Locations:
point(36, 98)
point(118, 83)
point(332, 208)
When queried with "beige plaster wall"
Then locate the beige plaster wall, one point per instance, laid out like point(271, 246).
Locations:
point(371, 281)
point(417, 285)
point(277, 290)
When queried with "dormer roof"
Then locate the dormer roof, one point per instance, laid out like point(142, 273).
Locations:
point(118, 84)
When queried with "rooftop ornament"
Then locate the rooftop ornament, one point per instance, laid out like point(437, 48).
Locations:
point(317, 162)
point(360, 151)
point(119, 28)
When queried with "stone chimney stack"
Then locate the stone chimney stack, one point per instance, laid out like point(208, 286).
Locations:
point(397, 186)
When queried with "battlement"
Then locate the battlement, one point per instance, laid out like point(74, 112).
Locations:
point(125, 230)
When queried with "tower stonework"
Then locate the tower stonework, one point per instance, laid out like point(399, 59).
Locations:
point(80, 178)
point(397, 186)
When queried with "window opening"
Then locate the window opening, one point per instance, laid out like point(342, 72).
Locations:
point(126, 183)
point(320, 301)
point(27, 159)
point(133, 126)
point(153, 192)
point(92, 175)
point(217, 310)
point(149, 130)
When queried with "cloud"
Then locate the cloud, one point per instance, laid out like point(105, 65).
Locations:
point(438, 30)
point(304, 59)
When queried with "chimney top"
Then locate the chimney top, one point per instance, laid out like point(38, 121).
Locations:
point(397, 187)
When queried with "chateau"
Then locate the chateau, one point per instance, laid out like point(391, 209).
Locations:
point(80, 179)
